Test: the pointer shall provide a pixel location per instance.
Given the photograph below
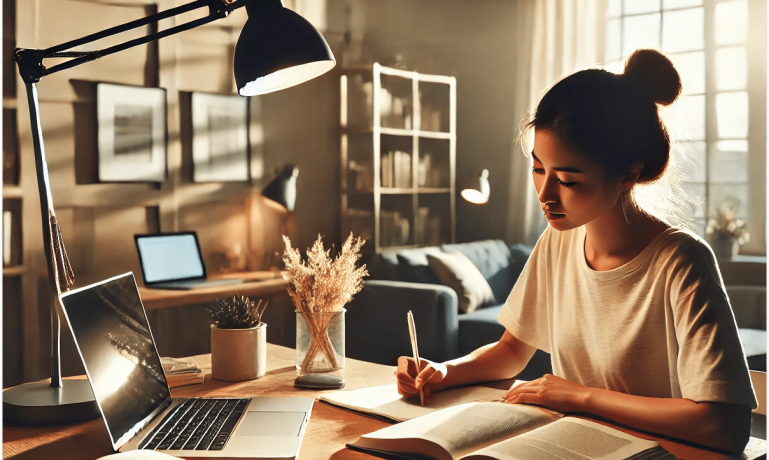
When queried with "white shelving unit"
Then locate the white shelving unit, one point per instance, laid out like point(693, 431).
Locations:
point(398, 157)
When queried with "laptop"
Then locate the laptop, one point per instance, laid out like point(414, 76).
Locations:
point(112, 335)
point(174, 261)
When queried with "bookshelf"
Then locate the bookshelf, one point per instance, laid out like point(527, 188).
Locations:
point(398, 157)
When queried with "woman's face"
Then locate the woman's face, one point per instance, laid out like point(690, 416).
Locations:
point(572, 191)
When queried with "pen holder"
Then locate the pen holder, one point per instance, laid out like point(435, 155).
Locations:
point(320, 341)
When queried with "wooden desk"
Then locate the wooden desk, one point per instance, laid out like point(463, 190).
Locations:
point(255, 284)
point(328, 431)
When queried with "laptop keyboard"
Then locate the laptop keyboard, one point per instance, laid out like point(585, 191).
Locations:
point(197, 424)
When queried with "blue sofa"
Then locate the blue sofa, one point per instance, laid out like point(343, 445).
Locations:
point(376, 326)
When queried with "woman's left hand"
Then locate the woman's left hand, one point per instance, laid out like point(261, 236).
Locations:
point(550, 391)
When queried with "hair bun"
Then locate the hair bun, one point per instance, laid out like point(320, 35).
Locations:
point(654, 72)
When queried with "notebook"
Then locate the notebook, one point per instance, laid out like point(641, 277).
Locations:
point(112, 335)
point(174, 261)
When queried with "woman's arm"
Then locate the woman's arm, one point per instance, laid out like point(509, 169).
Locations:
point(717, 425)
point(496, 361)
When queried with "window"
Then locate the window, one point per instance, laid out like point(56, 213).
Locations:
point(719, 49)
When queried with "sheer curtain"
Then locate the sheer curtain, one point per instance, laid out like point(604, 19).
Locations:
point(553, 39)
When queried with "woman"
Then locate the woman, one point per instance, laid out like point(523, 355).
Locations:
point(632, 310)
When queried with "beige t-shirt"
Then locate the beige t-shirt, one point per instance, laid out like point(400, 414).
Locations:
point(659, 326)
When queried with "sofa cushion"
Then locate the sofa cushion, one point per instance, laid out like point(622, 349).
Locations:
point(383, 266)
point(455, 270)
point(492, 258)
point(413, 265)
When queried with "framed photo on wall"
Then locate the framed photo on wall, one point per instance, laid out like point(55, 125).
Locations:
point(131, 124)
point(219, 138)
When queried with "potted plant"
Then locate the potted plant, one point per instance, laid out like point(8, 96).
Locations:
point(238, 339)
point(725, 232)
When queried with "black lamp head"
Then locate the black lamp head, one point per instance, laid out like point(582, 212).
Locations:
point(282, 189)
point(278, 49)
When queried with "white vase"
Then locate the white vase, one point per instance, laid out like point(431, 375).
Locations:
point(724, 246)
point(238, 354)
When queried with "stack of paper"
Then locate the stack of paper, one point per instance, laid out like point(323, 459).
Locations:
point(180, 373)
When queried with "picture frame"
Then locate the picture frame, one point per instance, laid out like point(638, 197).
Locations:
point(131, 126)
point(219, 138)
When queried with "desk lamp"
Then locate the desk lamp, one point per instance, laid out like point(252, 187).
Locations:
point(276, 49)
point(479, 190)
point(282, 189)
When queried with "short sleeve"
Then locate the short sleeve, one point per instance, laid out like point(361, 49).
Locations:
point(525, 313)
point(711, 362)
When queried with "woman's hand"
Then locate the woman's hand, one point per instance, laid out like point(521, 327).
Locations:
point(550, 391)
point(428, 378)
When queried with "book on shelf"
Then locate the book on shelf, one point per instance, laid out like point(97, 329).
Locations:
point(181, 373)
point(396, 169)
point(500, 431)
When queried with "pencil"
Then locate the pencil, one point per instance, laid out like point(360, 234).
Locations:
point(415, 350)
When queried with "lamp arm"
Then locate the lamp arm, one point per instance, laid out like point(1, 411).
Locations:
point(30, 61)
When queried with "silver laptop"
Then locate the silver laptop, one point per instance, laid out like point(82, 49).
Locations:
point(112, 335)
point(174, 261)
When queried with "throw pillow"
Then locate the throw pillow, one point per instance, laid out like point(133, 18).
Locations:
point(413, 266)
point(456, 271)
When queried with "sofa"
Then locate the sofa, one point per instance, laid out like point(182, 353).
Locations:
point(454, 291)
point(749, 307)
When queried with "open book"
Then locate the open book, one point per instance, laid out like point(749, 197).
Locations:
point(386, 403)
point(495, 430)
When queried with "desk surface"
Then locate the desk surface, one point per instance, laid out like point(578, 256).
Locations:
point(255, 284)
point(328, 431)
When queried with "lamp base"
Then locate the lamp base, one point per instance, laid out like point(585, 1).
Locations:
point(38, 403)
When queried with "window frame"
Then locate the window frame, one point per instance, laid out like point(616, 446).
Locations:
point(754, 211)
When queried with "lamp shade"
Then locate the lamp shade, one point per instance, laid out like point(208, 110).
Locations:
point(478, 190)
point(282, 189)
point(278, 49)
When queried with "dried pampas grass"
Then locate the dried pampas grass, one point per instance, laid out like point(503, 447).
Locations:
point(322, 284)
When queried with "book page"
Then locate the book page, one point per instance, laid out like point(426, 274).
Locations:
point(459, 430)
point(567, 438)
point(385, 401)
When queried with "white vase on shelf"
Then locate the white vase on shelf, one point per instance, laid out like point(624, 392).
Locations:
point(724, 246)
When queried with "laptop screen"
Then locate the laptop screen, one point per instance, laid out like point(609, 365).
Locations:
point(170, 257)
point(113, 338)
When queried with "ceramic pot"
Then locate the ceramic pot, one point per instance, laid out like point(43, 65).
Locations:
point(238, 354)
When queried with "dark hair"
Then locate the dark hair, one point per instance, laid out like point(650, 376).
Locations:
point(612, 119)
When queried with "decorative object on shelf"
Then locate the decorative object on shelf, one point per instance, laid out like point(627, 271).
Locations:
point(320, 288)
point(282, 189)
point(277, 49)
point(131, 124)
point(219, 138)
point(478, 189)
point(238, 339)
point(725, 232)
point(7, 241)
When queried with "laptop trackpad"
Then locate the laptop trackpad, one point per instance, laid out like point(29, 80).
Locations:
point(287, 424)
